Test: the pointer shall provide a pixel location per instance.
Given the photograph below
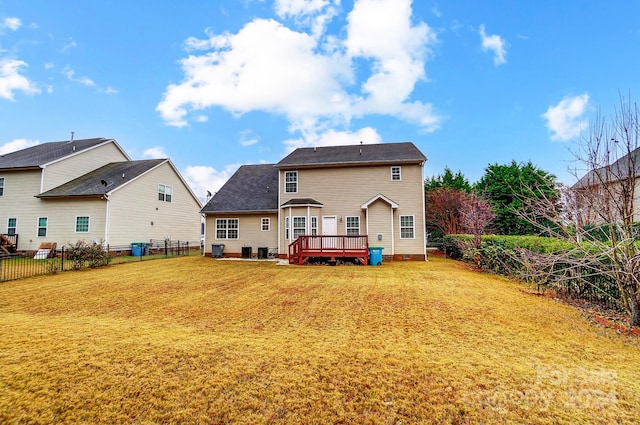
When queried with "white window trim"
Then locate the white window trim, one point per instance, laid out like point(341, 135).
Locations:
point(294, 228)
point(15, 228)
point(413, 227)
point(46, 228)
point(285, 181)
point(2, 186)
point(226, 229)
point(164, 194)
point(286, 227)
point(399, 173)
point(314, 229)
point(268, 223)
point(88, 223)
point(346, 225)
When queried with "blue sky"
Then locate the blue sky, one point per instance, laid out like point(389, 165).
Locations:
point(217, 84)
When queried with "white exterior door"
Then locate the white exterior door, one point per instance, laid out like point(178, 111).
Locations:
point(329, 226)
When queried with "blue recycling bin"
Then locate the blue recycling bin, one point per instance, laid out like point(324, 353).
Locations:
point(138, 249)
point(375, 255)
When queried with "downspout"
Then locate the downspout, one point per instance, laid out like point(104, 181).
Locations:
point(280, 235)
point(424, 212)
point(308, 223)
point(393, 234)
point(107, 219)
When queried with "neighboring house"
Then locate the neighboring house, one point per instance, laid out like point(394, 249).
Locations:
point(91, 190)
point(373, 190)
point(608, 191)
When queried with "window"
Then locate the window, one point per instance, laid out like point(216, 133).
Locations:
point(407, 229)
point(396, 173)
point(314, 226)
point(42, 226)
point(353, 225)
point(227, 228)
point(82, 224)
point(299, 226)
point(12, 226)
point(1, 186)
point(164, 193)
point(265, 224)
point(291, 181)
point(286, 228)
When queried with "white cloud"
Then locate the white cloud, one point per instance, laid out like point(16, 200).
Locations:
point(16, 145)
point(565, 120)
point(202, 178)
point(11, 23)
point(70, 45)
point(11, 80)
point(315, 14)
point(366, 135)
point(155, 152)
point(248, 138)
point(496, 44)
point(70, 74)
point(309, 77)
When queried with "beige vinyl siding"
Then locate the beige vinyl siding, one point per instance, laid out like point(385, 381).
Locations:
point(250, 233)
point(135, 206)
point(636, 201)
point(80, 164)
point(380, 221)
point(342, 191)
point(18, 201)
point(61, 223)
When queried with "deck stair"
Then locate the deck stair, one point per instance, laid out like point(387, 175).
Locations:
point(8, 244)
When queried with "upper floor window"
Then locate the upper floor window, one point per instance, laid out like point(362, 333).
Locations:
point(291, 181)
point(42, 226)
point(407, 227)
point(1, 186)
point(82, 224)
point(164, 193)
point(265, 224)
point(12, 226)
point(396, 173)
point(227, 228)
point(353, 225)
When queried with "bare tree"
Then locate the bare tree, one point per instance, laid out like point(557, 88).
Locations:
point(475, 216)
point(599, 217)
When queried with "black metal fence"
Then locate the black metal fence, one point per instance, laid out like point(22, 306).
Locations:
point(26, 264)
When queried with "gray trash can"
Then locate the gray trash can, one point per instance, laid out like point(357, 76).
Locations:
point(216, 250)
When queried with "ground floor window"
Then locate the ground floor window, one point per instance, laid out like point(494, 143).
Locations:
point(82, 224)
point(407, 227)
point(42, 226)
point(314, 226)
point(353, 225)
point(299, 226)
point(12, 226)
point(286, 228)
point(227, 228)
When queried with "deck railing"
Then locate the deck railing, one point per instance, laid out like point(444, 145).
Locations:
point(328, 246)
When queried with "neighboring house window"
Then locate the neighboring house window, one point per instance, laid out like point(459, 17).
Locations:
point(314, 226)
point(291, 181)
point(82, 224)
point(227, 228)
point(353, 225)
point(1, 186)
point(396, 173)
point(42, 226)
point(286, 228)
point(407, 227)
point(12, 226)
point(299, 226)
point(265, 225)
point(164, 193)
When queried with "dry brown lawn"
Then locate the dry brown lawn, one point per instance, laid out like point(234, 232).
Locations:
point(202, 341)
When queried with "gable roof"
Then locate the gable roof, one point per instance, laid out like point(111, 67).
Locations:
point(104, 179)
point(333, 156)
point(252, 188)
point(617, 171)
point(38, 155)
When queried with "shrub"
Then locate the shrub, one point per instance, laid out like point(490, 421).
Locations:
point(85, 255)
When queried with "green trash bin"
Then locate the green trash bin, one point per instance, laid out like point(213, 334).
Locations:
point(375, 255)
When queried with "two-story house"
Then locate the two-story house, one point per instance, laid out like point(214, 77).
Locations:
point(62, 192)
point(371, 190)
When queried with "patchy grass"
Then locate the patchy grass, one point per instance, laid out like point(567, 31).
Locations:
point(195, 340)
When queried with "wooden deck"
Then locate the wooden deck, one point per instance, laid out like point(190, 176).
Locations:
point(307, 248)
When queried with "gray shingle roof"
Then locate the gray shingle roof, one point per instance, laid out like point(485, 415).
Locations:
point(301, 201)
point(405, 152)
point(615, 172)
point(103, 180)
point(251, 188)
point(47, 152)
